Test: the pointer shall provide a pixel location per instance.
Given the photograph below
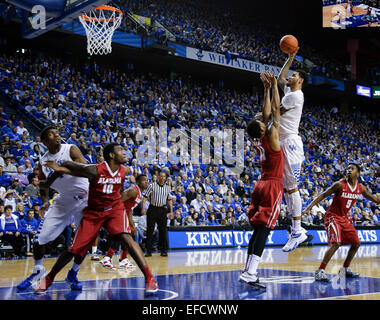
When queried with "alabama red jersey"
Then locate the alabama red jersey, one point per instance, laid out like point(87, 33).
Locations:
point(272, 162)
point(131, 203)
point(104, 192)
point(345, 199)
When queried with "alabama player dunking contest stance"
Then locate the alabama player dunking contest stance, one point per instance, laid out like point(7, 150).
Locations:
point(105, 208)
point(267, 194)
point(339, 229)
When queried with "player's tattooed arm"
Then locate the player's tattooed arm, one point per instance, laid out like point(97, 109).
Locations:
point(334, 189)
point(281, 80)
point(368, 195)
point(77, 155)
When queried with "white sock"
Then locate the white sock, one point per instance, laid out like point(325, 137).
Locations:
point(75, 267)
point(253, 264)
point(94, 249)
point(296, 209)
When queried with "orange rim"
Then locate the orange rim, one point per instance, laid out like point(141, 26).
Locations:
point(106, 8)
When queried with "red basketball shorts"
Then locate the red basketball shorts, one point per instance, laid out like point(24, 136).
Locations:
point(340, 230)
point(266, 202)
point(115, 221)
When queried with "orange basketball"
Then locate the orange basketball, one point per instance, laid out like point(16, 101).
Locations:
point(288, 43)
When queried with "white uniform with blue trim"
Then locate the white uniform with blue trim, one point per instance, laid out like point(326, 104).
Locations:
point(72, 199)
point(291, 142)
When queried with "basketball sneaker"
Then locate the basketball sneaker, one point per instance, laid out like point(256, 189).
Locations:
point(348, 273)
point(320, 275)
point(38, 272)
point(126, 264)
point(106, 262)
point(73, 281)
point(44, 284)
point(295, 239)
point(151, 285)
point(251, 279)
point(95, 257)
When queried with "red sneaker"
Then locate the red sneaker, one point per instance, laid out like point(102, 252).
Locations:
point(151, 285)
point(44, 284)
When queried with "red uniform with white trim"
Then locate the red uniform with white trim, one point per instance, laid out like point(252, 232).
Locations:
point(104, 209)
point(337, 224)
point(266, 197)
point(131, 203)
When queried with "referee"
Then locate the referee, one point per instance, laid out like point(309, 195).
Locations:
point(158, 194)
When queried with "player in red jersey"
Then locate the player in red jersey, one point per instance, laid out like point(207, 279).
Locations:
point(339, 229)
point(131, 198)
point(267, 194)
point(106, 209)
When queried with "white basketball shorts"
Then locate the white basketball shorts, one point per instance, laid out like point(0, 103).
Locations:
point(292, 148)
point(59, 216)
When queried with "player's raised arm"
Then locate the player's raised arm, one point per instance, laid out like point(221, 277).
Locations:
point(335, 188)
point(366, 194)
point(285, 70)
point(276, 102)
point(77, 155)
point(76, 169)
point(266, 113)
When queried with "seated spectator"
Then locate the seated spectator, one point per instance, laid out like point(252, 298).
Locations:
point(319, 219)
point(203, 214)
point(16, 186)
point(197, 203)
point(9, 167)
point(196, 218)
point(10, 230)
point(243, 220)
point(211, 220)
point(20, 211)
point(33, 189)
point(229, 219)
point(189, 221)
point(22, 178)
point(307, 219)
point(29, 229)
point(27, 169)
point(35, 154)
point(89, 156)
point(177, 219)
point(283, 219)
point(11, 197)
point(366, 219)
point(355, 219)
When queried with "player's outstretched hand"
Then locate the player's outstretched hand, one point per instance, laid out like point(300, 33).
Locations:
point(293, 54)
point(272, 78)
point(265, 80)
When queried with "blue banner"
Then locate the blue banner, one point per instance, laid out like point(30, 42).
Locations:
point(235, 238)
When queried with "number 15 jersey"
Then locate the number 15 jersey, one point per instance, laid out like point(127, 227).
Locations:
point(104, 191)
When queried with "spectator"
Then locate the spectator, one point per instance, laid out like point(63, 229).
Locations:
point(11, 198)
point(283, 219)
point(33, 189)
point(211, 220)
point(189, 221)
point(229, 220)
point(10, 230)
point(319, 219)
point(9, 167)
point(16, 186)
point(29, 229)
point(20, 211)
point(177, 220)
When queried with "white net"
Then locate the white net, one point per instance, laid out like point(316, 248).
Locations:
point(100, 25)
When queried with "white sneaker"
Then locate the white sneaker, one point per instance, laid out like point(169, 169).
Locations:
point(106, 262)
point(251, 279)
point(126, 264)
point(295, 239)
point(320, 275)
point(95, 257)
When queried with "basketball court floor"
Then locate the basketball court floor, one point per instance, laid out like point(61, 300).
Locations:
point(209, 275)
point(330, 17)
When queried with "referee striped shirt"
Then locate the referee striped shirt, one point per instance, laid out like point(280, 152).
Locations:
point(158, 195)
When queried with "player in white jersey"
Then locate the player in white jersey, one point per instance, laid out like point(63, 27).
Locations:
point(71, 200)
point(292, 146)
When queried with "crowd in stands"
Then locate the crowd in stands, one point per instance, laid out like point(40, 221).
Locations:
point(217, 27)
point(93, 105)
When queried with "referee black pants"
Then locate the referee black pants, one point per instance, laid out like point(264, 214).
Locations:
point(157, 215)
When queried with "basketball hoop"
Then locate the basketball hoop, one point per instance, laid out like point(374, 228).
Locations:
point(100, 25)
